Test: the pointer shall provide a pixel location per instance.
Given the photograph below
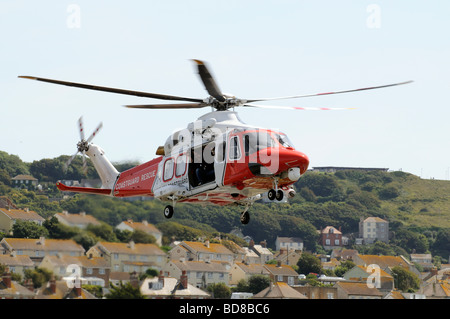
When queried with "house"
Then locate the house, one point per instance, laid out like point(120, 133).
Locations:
point(251, 257)
point(372, 275)
point(10, 289)
point(343, 254)
point(81, 220)
point(143, 226)
point(330, 264)
point(282, 273)
point(317, 292)
point(37, 249)
point(17, 264)
point(93, 270)
point(26, 180)
point(59, 289)
point(5, 202)
point(372, 229)
point(330, 238)
point(289, 243)
point(436, 285)
point(262, 251)
point(424, 260)
point(385, 262)
point(200, 274)
point(356, 290)
point(288, 257)
point(243, 271)
point(279, 290)
point(198, 251)
point(162, 287)
point(8, 217)
point(129, 257)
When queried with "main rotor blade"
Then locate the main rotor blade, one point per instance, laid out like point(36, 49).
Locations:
point(208, 81)
point(299, 108)
point(95, 132)
point(113, 90)
point(169, 106)
point(327, 93)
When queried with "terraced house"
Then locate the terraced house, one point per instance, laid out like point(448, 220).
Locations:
point(129, 257)
point(37, 249)
point(197, 251)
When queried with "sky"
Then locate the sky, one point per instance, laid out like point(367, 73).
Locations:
point(254, 49)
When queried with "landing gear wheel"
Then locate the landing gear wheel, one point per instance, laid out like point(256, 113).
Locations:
point(168, 211)
point(271, 194)
point(280, 195)
point(245, 218)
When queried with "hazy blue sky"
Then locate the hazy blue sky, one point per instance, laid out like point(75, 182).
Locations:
point(255, 49)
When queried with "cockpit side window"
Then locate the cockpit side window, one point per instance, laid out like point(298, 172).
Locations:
point(257, 140)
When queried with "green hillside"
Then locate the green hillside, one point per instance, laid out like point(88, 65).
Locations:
point(418, 210)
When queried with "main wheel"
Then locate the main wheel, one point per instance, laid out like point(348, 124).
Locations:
point(245, 218)
point(280, 195)
point(271, 194)
point(168, 211)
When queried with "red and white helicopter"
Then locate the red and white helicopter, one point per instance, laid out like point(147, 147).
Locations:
point(217, 159)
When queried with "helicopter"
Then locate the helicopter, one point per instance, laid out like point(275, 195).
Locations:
point(217, 159)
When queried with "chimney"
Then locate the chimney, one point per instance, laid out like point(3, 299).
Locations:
point(279, 263)
point(434, 271)
point(251, 243)
point(83, 214)
point(52, 285)
point(65, 212)
point(131, 244)
point(145, 222)
point(184, 280)
point(28, 283)
point(77, 291)
point(207, 243)
point(41, 240)
point(27, 209)
point(7, 278)
point(130, 220)
point(134, 280)
point(161, 278)
point(263, 243)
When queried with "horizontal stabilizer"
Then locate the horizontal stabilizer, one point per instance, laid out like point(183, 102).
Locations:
point(88, 190)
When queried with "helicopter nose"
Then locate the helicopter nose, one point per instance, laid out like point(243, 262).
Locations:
point(291, 158)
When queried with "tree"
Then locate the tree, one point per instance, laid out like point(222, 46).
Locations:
point(39, 276)
point(219, 290)
point(124, 291)
point(441, 245)
point(28, 229)
point(257, 283)
point(308, 263)
point(405, 280)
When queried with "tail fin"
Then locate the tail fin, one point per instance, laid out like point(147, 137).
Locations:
point(107, 172)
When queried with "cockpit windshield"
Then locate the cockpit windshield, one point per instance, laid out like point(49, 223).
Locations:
point(284, 140)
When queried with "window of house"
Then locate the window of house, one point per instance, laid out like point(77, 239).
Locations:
point(89, 271)
point(279, 277)
point(336, 242)
point(101, 271)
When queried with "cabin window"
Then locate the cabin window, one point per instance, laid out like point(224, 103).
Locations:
point(180, 168)
point(258, 140)
point(168, 169)
point(235, 151)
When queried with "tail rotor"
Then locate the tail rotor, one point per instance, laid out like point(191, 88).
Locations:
point(83, 145)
